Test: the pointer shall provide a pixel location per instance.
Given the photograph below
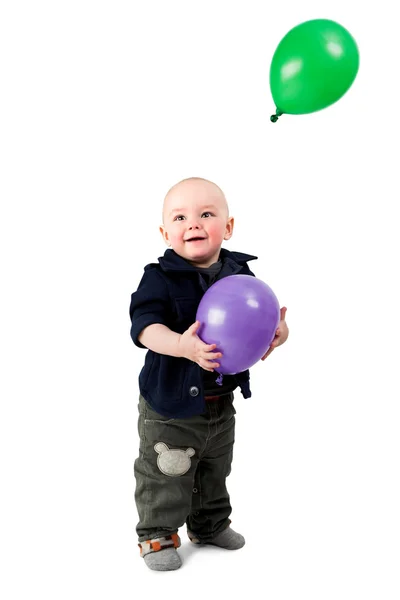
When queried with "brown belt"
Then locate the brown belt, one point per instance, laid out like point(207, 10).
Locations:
point(215, 398)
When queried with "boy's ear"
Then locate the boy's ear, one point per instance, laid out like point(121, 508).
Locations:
point(229, 228)
point(164, 233)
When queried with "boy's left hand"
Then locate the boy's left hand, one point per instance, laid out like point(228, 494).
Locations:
point(281, 334)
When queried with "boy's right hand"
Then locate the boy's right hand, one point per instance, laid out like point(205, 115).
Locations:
point(192, 348)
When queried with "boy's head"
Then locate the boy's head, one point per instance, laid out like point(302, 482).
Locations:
point(196, 220)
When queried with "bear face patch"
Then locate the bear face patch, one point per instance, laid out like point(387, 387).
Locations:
point(173, 462)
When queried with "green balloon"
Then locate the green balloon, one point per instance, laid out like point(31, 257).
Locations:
point(312, 67)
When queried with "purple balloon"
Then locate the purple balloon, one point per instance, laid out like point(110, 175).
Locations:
point(240, 314)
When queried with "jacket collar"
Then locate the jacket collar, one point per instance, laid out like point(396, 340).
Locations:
point(232, 261)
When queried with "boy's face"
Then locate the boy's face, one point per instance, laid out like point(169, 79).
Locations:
point(196, 221)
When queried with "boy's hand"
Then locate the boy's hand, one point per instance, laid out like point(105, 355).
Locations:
point(281, 334)
point(192, 348)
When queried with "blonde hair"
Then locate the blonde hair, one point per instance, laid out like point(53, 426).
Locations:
point(187, 179)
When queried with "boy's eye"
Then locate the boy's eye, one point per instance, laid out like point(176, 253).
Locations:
point(182, 217)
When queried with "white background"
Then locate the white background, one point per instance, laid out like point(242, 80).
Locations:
point(104, 106)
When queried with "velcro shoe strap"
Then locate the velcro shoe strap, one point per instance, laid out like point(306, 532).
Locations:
point(157, 544)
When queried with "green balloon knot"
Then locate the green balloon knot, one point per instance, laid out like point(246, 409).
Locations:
point(276, 116)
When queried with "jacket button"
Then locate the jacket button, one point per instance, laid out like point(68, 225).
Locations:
point(194, 391)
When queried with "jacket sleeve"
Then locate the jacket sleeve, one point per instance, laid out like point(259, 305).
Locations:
point(149, 304)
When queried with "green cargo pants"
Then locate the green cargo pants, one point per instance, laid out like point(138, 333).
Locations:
point(181, 471)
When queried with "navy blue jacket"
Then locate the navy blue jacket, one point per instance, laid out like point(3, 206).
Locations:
point(169, 293)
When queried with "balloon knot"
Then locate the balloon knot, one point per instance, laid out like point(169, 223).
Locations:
point(275, 117)
point(219, 379)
